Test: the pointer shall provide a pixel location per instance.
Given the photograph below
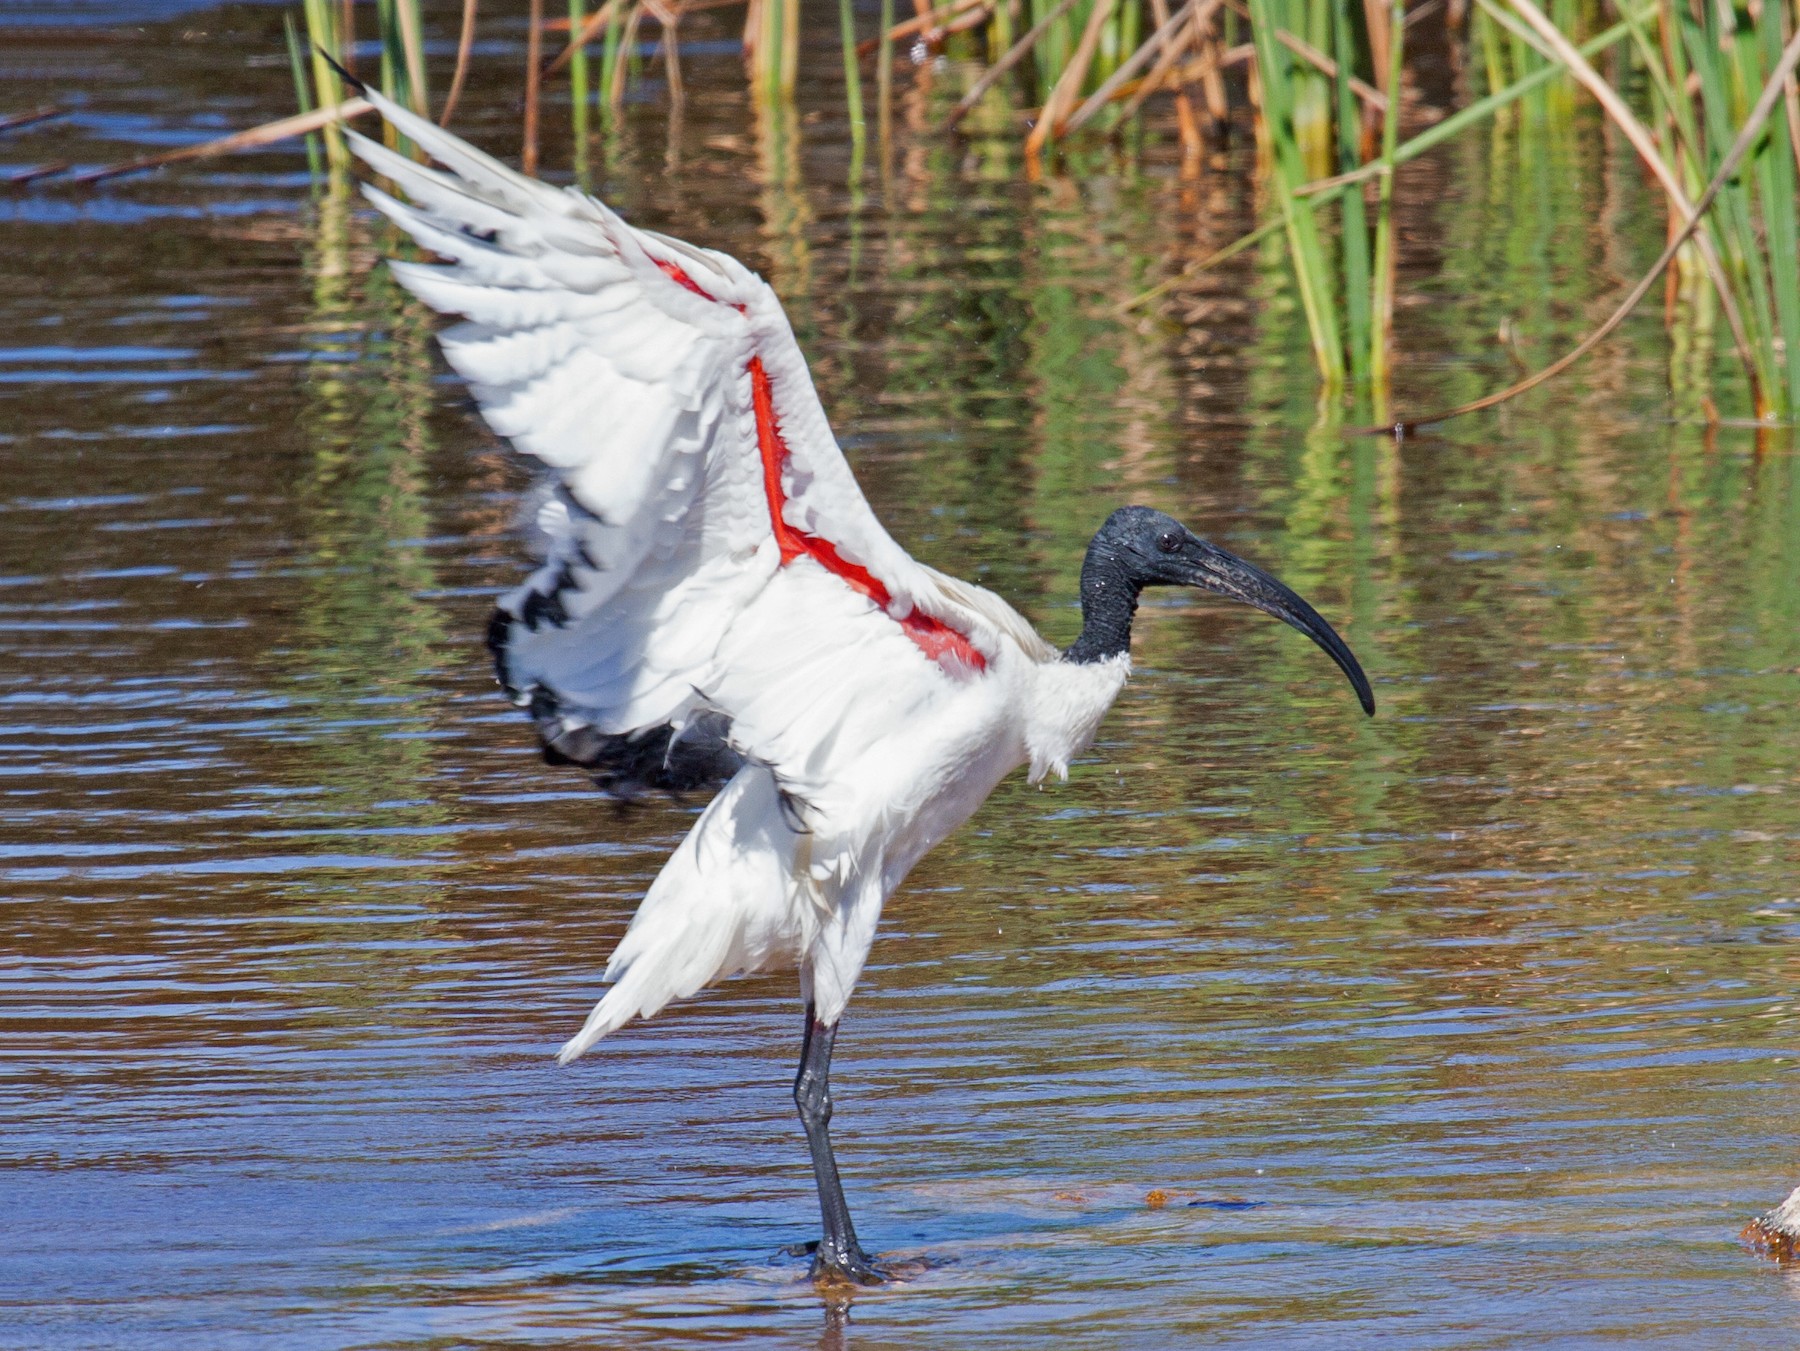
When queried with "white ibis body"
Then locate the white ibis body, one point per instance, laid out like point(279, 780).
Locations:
point(718, 603)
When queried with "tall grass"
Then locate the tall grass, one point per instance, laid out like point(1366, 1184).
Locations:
point(1322, 82)
point(1726, 62)
point(1322, 75)
point(331, 35)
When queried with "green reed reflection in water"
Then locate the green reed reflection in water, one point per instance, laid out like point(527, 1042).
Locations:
point(367, 641)
point(368, 633)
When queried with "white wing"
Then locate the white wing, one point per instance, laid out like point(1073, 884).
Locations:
point(709, 559)
point(663, 386)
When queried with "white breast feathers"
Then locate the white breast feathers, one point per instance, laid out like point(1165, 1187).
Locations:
point(1065, 710)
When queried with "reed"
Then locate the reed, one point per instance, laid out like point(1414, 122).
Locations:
point(1309, 111)
point(1324, 85)
point(1381, 306)
point(578, 87)
point(364, 623)
point(323, 35)
point(331, 35)
point(772, 48)
point(853, 103)
point(1279, 127)
point(302, 96)
point(1754, 223)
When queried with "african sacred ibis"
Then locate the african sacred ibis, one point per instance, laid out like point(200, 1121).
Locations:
point(718, 604)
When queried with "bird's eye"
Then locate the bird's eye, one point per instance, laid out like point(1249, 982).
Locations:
point(1168, 542)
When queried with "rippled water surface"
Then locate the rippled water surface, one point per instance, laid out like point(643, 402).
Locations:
point(1472, 1025)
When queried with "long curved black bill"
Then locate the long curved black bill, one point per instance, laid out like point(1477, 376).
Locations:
point(1226, 574)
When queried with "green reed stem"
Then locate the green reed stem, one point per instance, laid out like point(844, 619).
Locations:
point(321, 32)
point(1382, 320)
point(1312, 276)
point(853, 101)
point(1780, 194)
point(1329, 190)
point(390, 64)
point(1354, 232)
point(409, 28)
point(1432, 137)
point(884, 84)
point(302, 95)
point(1734, 214)
point(777, 48)
point(578, 91)
point(610, 93)
point(402, 59)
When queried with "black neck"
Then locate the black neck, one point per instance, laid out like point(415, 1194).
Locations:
point(1109, 597)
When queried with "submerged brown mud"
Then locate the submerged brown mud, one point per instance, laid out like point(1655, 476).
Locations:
point(1471, 1025)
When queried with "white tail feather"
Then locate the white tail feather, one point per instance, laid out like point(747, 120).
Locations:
point(725, 902)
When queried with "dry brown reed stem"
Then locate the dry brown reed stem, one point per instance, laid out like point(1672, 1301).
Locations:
point(627, 45)
point(1562, 51)
point(1068, 84)
point(413, 44)
point(1373, 169)
point(267, 134)
point(465, 44)
point(1793, 118)
point(996, 72)
point(1746, 137)
point(347, 34)
point(26, 119)
point(670, 20)
point(1211, 260)
point(534, 51)
point(1165, 31)
point(1196, 71)
point(969, 18)
point(1187, 121)
point(1155, 79)
point(974, 17)
point(37, 171)
point(1423, 12)
point(1375, 21)
point(1368, 93)
point(1212, 83)
point(590, 28)
point(928, 23)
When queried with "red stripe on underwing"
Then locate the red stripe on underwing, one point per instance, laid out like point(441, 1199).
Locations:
point(675, 273)
point(933, 637)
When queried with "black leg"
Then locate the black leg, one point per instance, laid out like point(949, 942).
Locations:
point(839, 1255)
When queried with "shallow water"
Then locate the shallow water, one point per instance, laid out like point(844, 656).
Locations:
point(1472, 1025)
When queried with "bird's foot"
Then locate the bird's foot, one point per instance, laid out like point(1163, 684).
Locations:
point(853, 1268)
point(834, 1266)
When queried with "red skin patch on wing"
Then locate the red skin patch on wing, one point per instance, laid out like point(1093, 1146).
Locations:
point(675, 273)
point(934, 638)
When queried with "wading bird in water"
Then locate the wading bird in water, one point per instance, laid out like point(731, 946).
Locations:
point(719, 605)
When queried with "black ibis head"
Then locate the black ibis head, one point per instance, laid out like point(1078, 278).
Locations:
point(1140, 547)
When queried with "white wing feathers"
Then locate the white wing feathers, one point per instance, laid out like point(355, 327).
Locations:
point(633, 366)
point(586, 353)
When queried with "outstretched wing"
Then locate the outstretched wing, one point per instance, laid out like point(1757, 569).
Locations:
point(663, 387)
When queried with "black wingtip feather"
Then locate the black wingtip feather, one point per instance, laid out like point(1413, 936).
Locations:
point(499, 632)
point(629, 764)
point(343, 74)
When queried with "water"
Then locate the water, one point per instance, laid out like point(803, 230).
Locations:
point(1473, 1025)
